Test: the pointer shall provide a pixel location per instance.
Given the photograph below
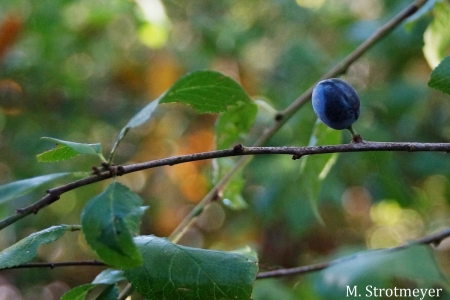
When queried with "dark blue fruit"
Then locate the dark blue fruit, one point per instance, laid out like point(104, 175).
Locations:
point(336, 103)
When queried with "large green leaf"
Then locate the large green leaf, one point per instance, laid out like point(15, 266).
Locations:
point(233, 123)
point(440, 77)
point(109, 221)
point(176, 272)
point(65, 150)
point(378, 268)
point(26, 249)
point(315, 168)
point(437, 35)
point(206, 92)
point(19, 188)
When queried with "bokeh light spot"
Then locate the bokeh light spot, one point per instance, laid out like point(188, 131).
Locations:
point(153, 36)
point(312, 4)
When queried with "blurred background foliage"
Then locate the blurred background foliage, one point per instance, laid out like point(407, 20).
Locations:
point(78, 70)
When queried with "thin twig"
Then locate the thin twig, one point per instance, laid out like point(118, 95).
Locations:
point(126, 292)
point(285, 115)
point(433, 239)
point(239, 150)
point(58, 264)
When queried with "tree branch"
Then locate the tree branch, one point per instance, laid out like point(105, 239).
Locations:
point(282, 117)
point(239, 150)
point(59, 264)
point(433, 239)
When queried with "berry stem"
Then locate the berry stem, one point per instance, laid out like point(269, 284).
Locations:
point(352, 131)
point(356, 138)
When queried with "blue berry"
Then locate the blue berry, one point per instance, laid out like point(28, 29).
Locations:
point(336, 103)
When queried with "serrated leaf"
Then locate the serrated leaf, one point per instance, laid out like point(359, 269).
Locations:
point(437, 36)
point(378, 268)
point(315, 168)
point(440, 76)
point(109, 276)
point(109, 293)
point(206, 92)
point(11, 191)
point(233, 123)
point(109, 221)
point(78, 293)
point(26, 249)
point(171, 271)
point(65, 150)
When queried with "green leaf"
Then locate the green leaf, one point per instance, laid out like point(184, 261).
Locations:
point(19, 188)
point(440, 76)
point(78, 293)
point(206, 92)
point(233, 123)
point(172, 271)
point(109, 276)
point(378, 268)
point(26, 249)
point(110, 293)
point(140, 118)
point(314, 169)
point(232, 193)
point(65, 150)
point(109, 220)
point(437, 35)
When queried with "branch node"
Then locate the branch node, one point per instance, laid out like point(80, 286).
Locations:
point(120, 170)
point(51, 192)
point(297, 156)
point(279, 116)
point(218, 195)
point(356, 139)
point(95, 170)
point(238, 148)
